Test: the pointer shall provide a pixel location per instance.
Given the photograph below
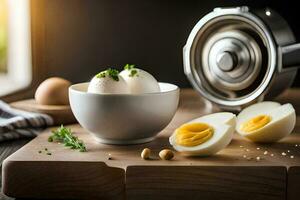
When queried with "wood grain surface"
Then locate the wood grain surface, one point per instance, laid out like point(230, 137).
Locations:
point(206, 182)
point(6, 149)
point(226, 175)
point(293, 184)
point(61, 114)
point(61, 180)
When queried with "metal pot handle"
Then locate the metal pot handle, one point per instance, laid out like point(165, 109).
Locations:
point(291, 56)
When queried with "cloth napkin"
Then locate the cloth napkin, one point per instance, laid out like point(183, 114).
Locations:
point(17, 124)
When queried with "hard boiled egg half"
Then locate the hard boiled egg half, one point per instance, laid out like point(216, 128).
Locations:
point(266, 121)
point(204, 136)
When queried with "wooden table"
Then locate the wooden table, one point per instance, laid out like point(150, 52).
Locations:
point(228, 175)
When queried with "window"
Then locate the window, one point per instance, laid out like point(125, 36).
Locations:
point(15, 48)
point(3, 36)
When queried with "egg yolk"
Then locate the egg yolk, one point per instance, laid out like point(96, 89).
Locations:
point(255, 123)
point(193, 134)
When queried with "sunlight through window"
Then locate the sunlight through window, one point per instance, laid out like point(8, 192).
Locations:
point(3, 36)
point(15, 46)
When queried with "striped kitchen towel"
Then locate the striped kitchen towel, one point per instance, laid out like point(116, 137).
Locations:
point(16, 124)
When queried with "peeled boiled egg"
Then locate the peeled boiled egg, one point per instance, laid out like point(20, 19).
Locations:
point(108, 81)
point(266, 121)
point(139, 81)
point(53, 91)
point(204, 136)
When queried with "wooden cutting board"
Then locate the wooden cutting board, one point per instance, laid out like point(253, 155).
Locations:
point(61, 114)
point(234, 173)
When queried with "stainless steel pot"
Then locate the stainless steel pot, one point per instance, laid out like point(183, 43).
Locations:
point(234, 57)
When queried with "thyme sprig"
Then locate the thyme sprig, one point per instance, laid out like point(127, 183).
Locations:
point(65, 136)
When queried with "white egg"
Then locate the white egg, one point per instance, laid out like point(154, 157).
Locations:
point(140, 81)
point(266, 121)
point(222, 124)
point(107, 84)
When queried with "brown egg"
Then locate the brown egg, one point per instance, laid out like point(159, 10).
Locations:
point(53, 91)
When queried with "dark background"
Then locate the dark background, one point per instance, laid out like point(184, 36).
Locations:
point(82, 37)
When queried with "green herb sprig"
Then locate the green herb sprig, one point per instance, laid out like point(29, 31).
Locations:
point(133, 73)
point(101, 74)
point(65, 136)
point(131, 68)
point(112, 73)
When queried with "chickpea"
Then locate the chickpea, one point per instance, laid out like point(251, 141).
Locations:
point(146, 153)
point(166, 154)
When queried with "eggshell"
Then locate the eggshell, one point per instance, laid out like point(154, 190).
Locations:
point(53, 91)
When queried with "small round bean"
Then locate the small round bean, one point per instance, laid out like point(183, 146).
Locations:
point(146, 153)
point(166, 154)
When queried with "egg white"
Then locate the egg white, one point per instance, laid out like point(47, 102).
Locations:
point(223, 125)
point(217, 118)
point(108, 85)
point(141, 82)
point(255, 110)
point(283, 120)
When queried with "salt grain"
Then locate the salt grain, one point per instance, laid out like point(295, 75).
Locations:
point(288, 151)
point(283, 153)
point(244, 156)
point(272, 154)
point(258, 148)
point(247, 150)
point(266, 152)
point(258, 158)
point(241, 146)
point(292, 157)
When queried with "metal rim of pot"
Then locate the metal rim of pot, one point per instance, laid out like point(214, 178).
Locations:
point(197, 80)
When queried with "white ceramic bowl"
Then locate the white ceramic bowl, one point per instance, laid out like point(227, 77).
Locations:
point(124, 118)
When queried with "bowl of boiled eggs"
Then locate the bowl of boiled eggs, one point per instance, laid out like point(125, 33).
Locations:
point(127, 107)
